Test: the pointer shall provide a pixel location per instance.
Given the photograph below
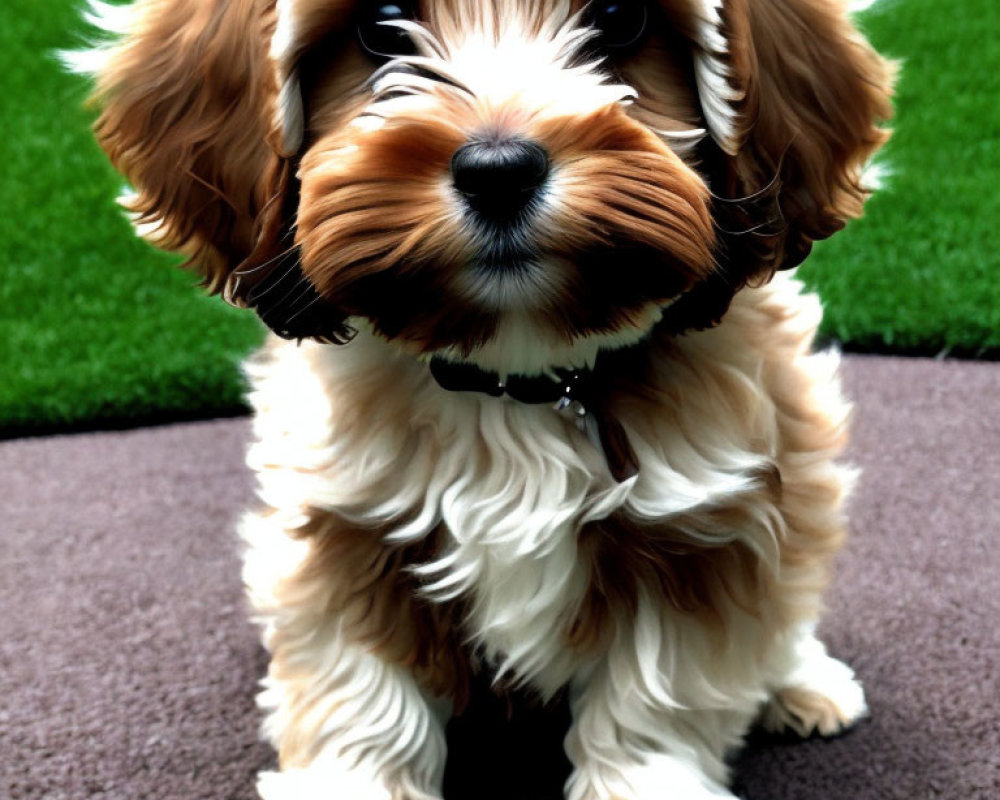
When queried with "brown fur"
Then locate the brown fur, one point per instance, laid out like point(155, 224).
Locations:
point(186, 104)
point(353, 578)
point(625, 557)
point(814, 95)
point(188, 109)
point(798, 485)
point(619, 241)
point(380, 601)
point(724, 375)
point(202, 156)
point(188, 115)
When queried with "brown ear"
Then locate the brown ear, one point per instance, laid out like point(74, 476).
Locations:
point(188, 107)
point(813, 94)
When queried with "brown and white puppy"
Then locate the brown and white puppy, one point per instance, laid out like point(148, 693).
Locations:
point(544, 413)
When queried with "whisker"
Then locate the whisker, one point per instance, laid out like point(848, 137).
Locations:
point(747, 198)
point(766, 188)
point(755, 229)
point(312, 302)
point(254, 297)
point(250, 271)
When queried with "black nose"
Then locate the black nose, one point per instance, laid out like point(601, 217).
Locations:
point(499, 178)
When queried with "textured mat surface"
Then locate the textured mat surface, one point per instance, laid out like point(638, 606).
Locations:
point(128, 671)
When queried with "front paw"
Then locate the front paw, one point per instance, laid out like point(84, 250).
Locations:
point(660, 776)
point(334, 782)
point(826, 699)
point(319, 784)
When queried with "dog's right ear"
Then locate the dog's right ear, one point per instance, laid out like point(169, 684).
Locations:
point(195, 113)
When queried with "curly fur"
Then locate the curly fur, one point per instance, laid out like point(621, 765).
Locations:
point(410, 537)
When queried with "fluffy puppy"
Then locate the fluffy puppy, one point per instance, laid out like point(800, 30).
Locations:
point(538, 409)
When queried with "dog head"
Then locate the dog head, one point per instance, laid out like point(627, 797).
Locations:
point(444, 169)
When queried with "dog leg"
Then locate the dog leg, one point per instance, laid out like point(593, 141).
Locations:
point(645, 724)
point(348, 723)
point(817, 694)
point(356, 729)
point(623, 748)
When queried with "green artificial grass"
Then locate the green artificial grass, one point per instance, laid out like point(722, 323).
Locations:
point(99, 330)
point(918, 273)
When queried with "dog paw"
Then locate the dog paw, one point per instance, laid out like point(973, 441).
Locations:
point(826, 699)
point(330, 782)
point(659, 776)
point(314, 784)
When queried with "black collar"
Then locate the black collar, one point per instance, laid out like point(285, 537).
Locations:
point(564, 386)
point(585, 391)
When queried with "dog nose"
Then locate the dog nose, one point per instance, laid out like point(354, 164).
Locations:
point(499, 178)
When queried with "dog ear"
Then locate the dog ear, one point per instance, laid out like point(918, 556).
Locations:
point(197, 116)
point(795, 100)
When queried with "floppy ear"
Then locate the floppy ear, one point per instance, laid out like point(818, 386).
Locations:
point(190, 115)
point(807, 94)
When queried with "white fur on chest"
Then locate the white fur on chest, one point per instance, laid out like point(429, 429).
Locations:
point(364, 432)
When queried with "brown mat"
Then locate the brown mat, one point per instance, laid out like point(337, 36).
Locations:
point(128, 671)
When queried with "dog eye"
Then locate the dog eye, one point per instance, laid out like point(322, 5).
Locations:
point(385, 41)
point(620, 25)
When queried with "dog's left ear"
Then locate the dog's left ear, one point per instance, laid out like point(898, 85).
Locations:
point(201, 111)
point(203, 121)
point(795, 101)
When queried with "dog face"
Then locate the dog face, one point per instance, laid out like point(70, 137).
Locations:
point(446, 168)
point(495, 171)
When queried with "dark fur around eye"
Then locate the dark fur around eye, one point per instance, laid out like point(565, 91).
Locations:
point(621, 25)
point(381, 40)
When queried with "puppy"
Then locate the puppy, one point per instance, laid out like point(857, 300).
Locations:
point(541, 404)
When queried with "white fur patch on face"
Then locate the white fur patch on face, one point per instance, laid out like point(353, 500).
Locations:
point(499, 61)
point(508, 288)
point(500, 64)
point(522, 347)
